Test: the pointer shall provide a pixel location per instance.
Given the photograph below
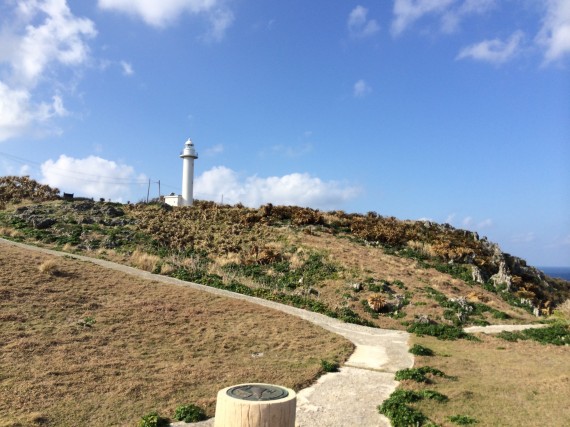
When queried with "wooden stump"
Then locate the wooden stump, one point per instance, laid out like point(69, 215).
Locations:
point(255, 405)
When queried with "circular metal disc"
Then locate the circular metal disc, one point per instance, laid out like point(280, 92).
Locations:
point(257, 392)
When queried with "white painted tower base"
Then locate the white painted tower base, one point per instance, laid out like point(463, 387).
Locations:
point(235, 412)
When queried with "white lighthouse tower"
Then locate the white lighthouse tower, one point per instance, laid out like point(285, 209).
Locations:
point(188, 156)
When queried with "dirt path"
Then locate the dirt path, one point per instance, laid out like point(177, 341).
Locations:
point(349, 397)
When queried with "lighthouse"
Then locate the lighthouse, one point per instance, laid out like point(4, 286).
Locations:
point(188, 156)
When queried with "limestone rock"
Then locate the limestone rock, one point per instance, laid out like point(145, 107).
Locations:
point(502, 276)
point(477, 275)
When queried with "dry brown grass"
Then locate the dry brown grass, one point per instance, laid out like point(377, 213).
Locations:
point(144, 261)
point(9, 232)
point(49, 266)
point(499, 383)
point(151, 346)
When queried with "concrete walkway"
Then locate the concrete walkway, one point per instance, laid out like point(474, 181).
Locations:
point(346, 398)
point(495, 329)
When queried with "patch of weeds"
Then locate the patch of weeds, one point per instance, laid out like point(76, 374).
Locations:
point(419, 375)
point(87, 322)
point(349, 316)
point(556, 334)
point(462, 420)
point(329, 366)
point(500, 315)
point(189, 413)
point(153, 419)
point(369, 309)
point(420, 350)
point(440, 331)
point(398, 314)
point(399, 284)
point(396, 407)
point(480, 322)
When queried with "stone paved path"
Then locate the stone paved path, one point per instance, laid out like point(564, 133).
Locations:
point(346, 398)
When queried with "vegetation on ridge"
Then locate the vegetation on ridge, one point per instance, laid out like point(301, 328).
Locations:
point(330, 262)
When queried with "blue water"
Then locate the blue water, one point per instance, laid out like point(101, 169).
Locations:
point(560, 272)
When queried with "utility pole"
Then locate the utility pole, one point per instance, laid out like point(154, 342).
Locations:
point(158, 189)
point(148, 190)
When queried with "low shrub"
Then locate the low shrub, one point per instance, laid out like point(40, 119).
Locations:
point(153, 419)
point(557, 334)
point(462, 420)
point(420, 350)
point(329, 366)
point(189, 413)
point(440, 331)
point(419, 374)
point(400, 414)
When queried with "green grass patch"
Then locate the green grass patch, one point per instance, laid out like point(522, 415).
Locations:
point(440, 331)
point(397, 408)
point(556, 334)
point(462, 420)
point(420, 374)
point(189, 413)
point(420, 350)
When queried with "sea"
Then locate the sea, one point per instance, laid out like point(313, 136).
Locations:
point(560, 272)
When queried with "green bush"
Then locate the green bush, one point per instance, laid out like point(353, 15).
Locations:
point(440, 331)
point(402, 415)
point(152, 419)
point(419, 374)
point(189, 413)
point(462, 420)
point(557, 334)
point(329, 366)
point(420, 350)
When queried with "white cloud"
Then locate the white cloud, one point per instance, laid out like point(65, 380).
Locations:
point(92, 176)
point(468, 222)
point(58, 38)
point(162, 13)
point(485, 223)
point(299, 189)
point(361, 89)
point(450, 218)
point(524, 237)
point(359, 25)
point(494, 51)
point(450, 12)
point(220, 21)
point(554, 35)
point(409, 11)
point(127, 68)
point(214, 150)
point(37, 37)
point(19, 115)
point(452, 18)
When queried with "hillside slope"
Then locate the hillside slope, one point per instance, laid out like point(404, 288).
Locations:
point(366, 269)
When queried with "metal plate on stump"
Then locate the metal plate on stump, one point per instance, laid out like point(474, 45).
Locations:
point(257, 392)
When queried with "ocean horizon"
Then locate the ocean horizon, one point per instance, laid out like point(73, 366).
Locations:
point(558, 272)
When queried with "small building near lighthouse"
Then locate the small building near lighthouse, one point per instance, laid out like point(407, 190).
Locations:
point(188, 156)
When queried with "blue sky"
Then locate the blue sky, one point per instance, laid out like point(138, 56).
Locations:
point(455, 111)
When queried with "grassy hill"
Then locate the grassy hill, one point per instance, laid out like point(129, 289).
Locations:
point(428, 278)
point(365, 269)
